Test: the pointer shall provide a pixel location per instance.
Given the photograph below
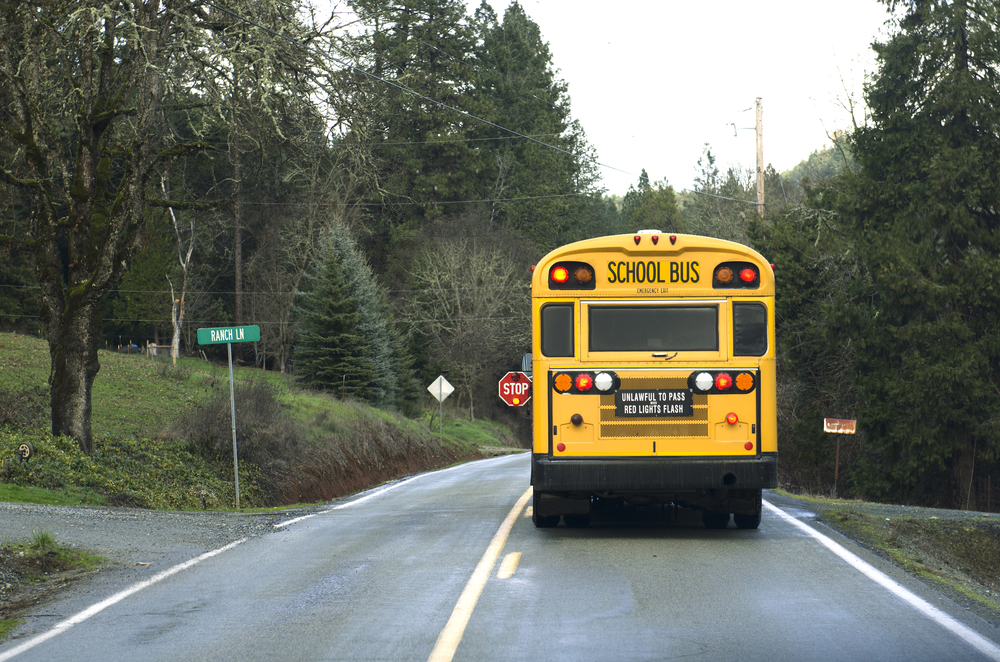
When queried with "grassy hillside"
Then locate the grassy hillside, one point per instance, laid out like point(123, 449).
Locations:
point(163, 438)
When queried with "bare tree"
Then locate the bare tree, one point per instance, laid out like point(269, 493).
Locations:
point(81, 83)
point(184, 258)
point(469, 297)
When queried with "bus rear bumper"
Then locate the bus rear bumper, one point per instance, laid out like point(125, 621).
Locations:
point(653, 475)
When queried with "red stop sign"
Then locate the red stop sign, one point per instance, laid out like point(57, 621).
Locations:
point(515, 388)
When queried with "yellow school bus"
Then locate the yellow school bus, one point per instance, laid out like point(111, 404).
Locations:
point(654, 378)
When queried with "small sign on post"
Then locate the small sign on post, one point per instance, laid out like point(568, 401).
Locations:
point(838, 426)
point(441, 389)
point(229, 335)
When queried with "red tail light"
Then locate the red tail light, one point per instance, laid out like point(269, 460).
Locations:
point(559, 274)
point(584, 382)
point(723, 381)
point(732, 418)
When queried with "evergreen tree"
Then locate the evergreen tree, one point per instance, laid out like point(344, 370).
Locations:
point(330, 352)
point(390, 376)
point(924, 209)
point(721, 206)
point(536, 190)
point(651, 207)
point(427, 153)
point(142, 301)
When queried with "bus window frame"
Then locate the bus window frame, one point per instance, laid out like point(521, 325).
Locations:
point(769, 330)
point(574, 342)
point(723, 329)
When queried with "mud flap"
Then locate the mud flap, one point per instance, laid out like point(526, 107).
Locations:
point(551, 504)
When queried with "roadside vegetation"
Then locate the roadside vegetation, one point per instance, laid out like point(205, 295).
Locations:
point(163, 437)
point(34, 568)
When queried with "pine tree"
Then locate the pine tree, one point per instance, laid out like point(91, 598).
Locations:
point(426, 151)
point(924, 210)
point(330, 352)
point(537, 190)
point(142, 301)
point(390, 376)
point(651, 207)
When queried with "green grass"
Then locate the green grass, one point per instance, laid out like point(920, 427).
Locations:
point(7, 626)
point(71, 495)
point(128, 471)
point(463, 435)
point(32, 563)
point(136, 461)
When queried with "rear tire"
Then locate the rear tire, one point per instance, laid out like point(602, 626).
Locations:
point(539, 521)
point(714, 520)
point(750, 520)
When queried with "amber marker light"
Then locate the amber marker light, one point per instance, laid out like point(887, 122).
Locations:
point(732, 418)
point(583, 275)
point(744, 381)
point(563, 382)
point(724, 275)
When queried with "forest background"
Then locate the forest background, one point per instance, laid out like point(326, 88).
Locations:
point(371, 186)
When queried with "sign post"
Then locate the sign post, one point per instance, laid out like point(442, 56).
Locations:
point(441, 389)
point(229, 335)
point(838, 426)
point(515, 389)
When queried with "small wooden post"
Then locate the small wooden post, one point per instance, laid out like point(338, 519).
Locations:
point(838, 426)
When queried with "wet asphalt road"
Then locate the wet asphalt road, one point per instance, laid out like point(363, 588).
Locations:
point(379, 577)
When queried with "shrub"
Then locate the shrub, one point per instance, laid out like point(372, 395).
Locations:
point(24, 409)
point(266, 436)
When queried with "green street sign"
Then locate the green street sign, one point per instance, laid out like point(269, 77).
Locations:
point(228, 334)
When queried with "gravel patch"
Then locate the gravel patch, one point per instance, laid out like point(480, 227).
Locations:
point(134, 543)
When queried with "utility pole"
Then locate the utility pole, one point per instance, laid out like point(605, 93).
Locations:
point(760, 157)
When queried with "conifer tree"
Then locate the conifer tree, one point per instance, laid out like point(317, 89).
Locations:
point(651, 207)
point(537, 190)
point(390, 378)
point(330, 352)
point(924, 211)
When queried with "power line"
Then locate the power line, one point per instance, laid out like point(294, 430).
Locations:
point(491, 74)
point(408, 90)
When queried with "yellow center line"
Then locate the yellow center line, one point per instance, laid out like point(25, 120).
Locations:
point(509, 565)
point(454, 629)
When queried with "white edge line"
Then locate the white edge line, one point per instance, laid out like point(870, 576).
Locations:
point(114, 599)
point(962, 631)
point(385, 489)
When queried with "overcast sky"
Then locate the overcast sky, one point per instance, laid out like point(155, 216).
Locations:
point(651, 81)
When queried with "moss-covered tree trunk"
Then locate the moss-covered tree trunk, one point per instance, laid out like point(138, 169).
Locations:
point(73, 347)
point(87, 158)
